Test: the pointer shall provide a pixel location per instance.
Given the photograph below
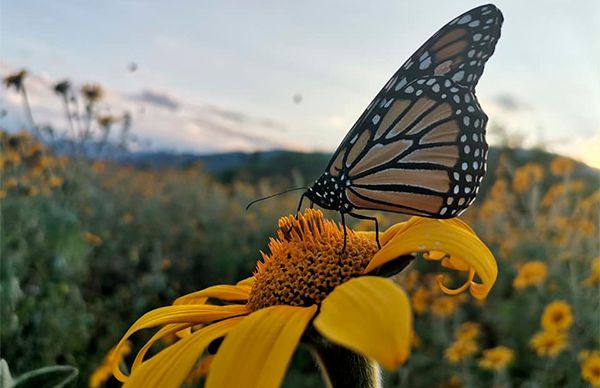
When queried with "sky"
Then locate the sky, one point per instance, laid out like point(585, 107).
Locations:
point(238, 75)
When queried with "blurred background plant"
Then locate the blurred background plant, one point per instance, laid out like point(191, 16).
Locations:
point(89, 244)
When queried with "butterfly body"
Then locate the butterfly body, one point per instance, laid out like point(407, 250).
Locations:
point(419, 148)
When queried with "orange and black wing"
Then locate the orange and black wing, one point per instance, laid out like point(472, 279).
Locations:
point(458, 51)
point(425, 155)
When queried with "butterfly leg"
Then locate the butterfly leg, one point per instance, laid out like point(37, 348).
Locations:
point(345, 233)
point(361, 217)
point(300, 204)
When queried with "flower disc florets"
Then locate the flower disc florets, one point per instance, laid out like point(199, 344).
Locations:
point(306, 262)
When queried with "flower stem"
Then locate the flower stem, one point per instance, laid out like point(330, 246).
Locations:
point(342, 367)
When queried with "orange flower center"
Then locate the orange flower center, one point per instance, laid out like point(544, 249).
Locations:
point(306, 262)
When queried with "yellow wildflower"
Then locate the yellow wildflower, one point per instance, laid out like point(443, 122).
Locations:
point(557, 316)
point(590, 367)
point(91, 239)
point(104, 371)
point(468, 331)
point(549, 343)
point(420, 300)
point(460, 350)
point(92, 92)
point(304, 285)
point(594, 277)
point(532, 273)
point(562, 166)
point(443, 306)
point(496, 358)
point(527, 175)
point(10, 183)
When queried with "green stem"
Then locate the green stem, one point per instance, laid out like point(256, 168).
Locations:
point(342, 368)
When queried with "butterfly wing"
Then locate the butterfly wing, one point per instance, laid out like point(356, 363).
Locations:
point(457, 51)
point(424, 152)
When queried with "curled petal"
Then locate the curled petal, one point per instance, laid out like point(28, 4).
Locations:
point(454, 237)
point(456, 291)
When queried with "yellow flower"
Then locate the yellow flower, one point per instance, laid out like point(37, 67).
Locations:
point(91, 239)
point(10, 183)
point(562, 166)
point(590, 367)
point(594, 277)
point(420, 300)
point(496, 358)
point(104, 371)
point(532, 273)
point(55, 181)
point(526, 176)
point(460, 350)
point(305, 288)
point(557, 316)
point(468, 331)
point(443, 306)
point(549, 343)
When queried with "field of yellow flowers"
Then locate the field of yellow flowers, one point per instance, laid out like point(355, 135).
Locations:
point(88, 247)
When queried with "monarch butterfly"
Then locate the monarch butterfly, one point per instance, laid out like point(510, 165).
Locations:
point(419, 148)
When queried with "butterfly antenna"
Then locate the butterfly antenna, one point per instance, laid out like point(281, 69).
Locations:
point(274, 195)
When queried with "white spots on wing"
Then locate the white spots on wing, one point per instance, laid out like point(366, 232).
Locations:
point(475, 137)
point(467, 149)
point(425, 63)
point(456, 175)
point(435, 88)
point(458, 111)
point(464, 20)
point(476, 123)
point(376, 119)
point(467, 98)
point(471, 53)
point(475, 165)
point(449, 200)
point(469, 178)
point(477, 37)
point(419, 92)
point(443, 210)
point(353, 140)
point(476, 154)
point(409, 89)
point(400, 84)
point(456, 98)
point(387, 104)
point(461, 201)
point(444, 95)
point(447, 83)
point(458, 76)
point(456, 189)
point(421, 81)
point(474, 23)
point(466, 120)
point(464, 166)
point(471, 109)
point(431, 81)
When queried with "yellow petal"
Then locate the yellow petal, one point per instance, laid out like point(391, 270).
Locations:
point(171, 367)
point(248, 282)
point(163, 332)
point(371, 316)
point(183, 314)
point(257, 352)
point(453, 237)
point(222, 292)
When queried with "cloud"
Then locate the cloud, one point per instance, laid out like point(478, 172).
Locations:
point(509, 102)
point(242, 118)
point(158, 99)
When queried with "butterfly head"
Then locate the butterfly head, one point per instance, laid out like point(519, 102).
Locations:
point(327, 192)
